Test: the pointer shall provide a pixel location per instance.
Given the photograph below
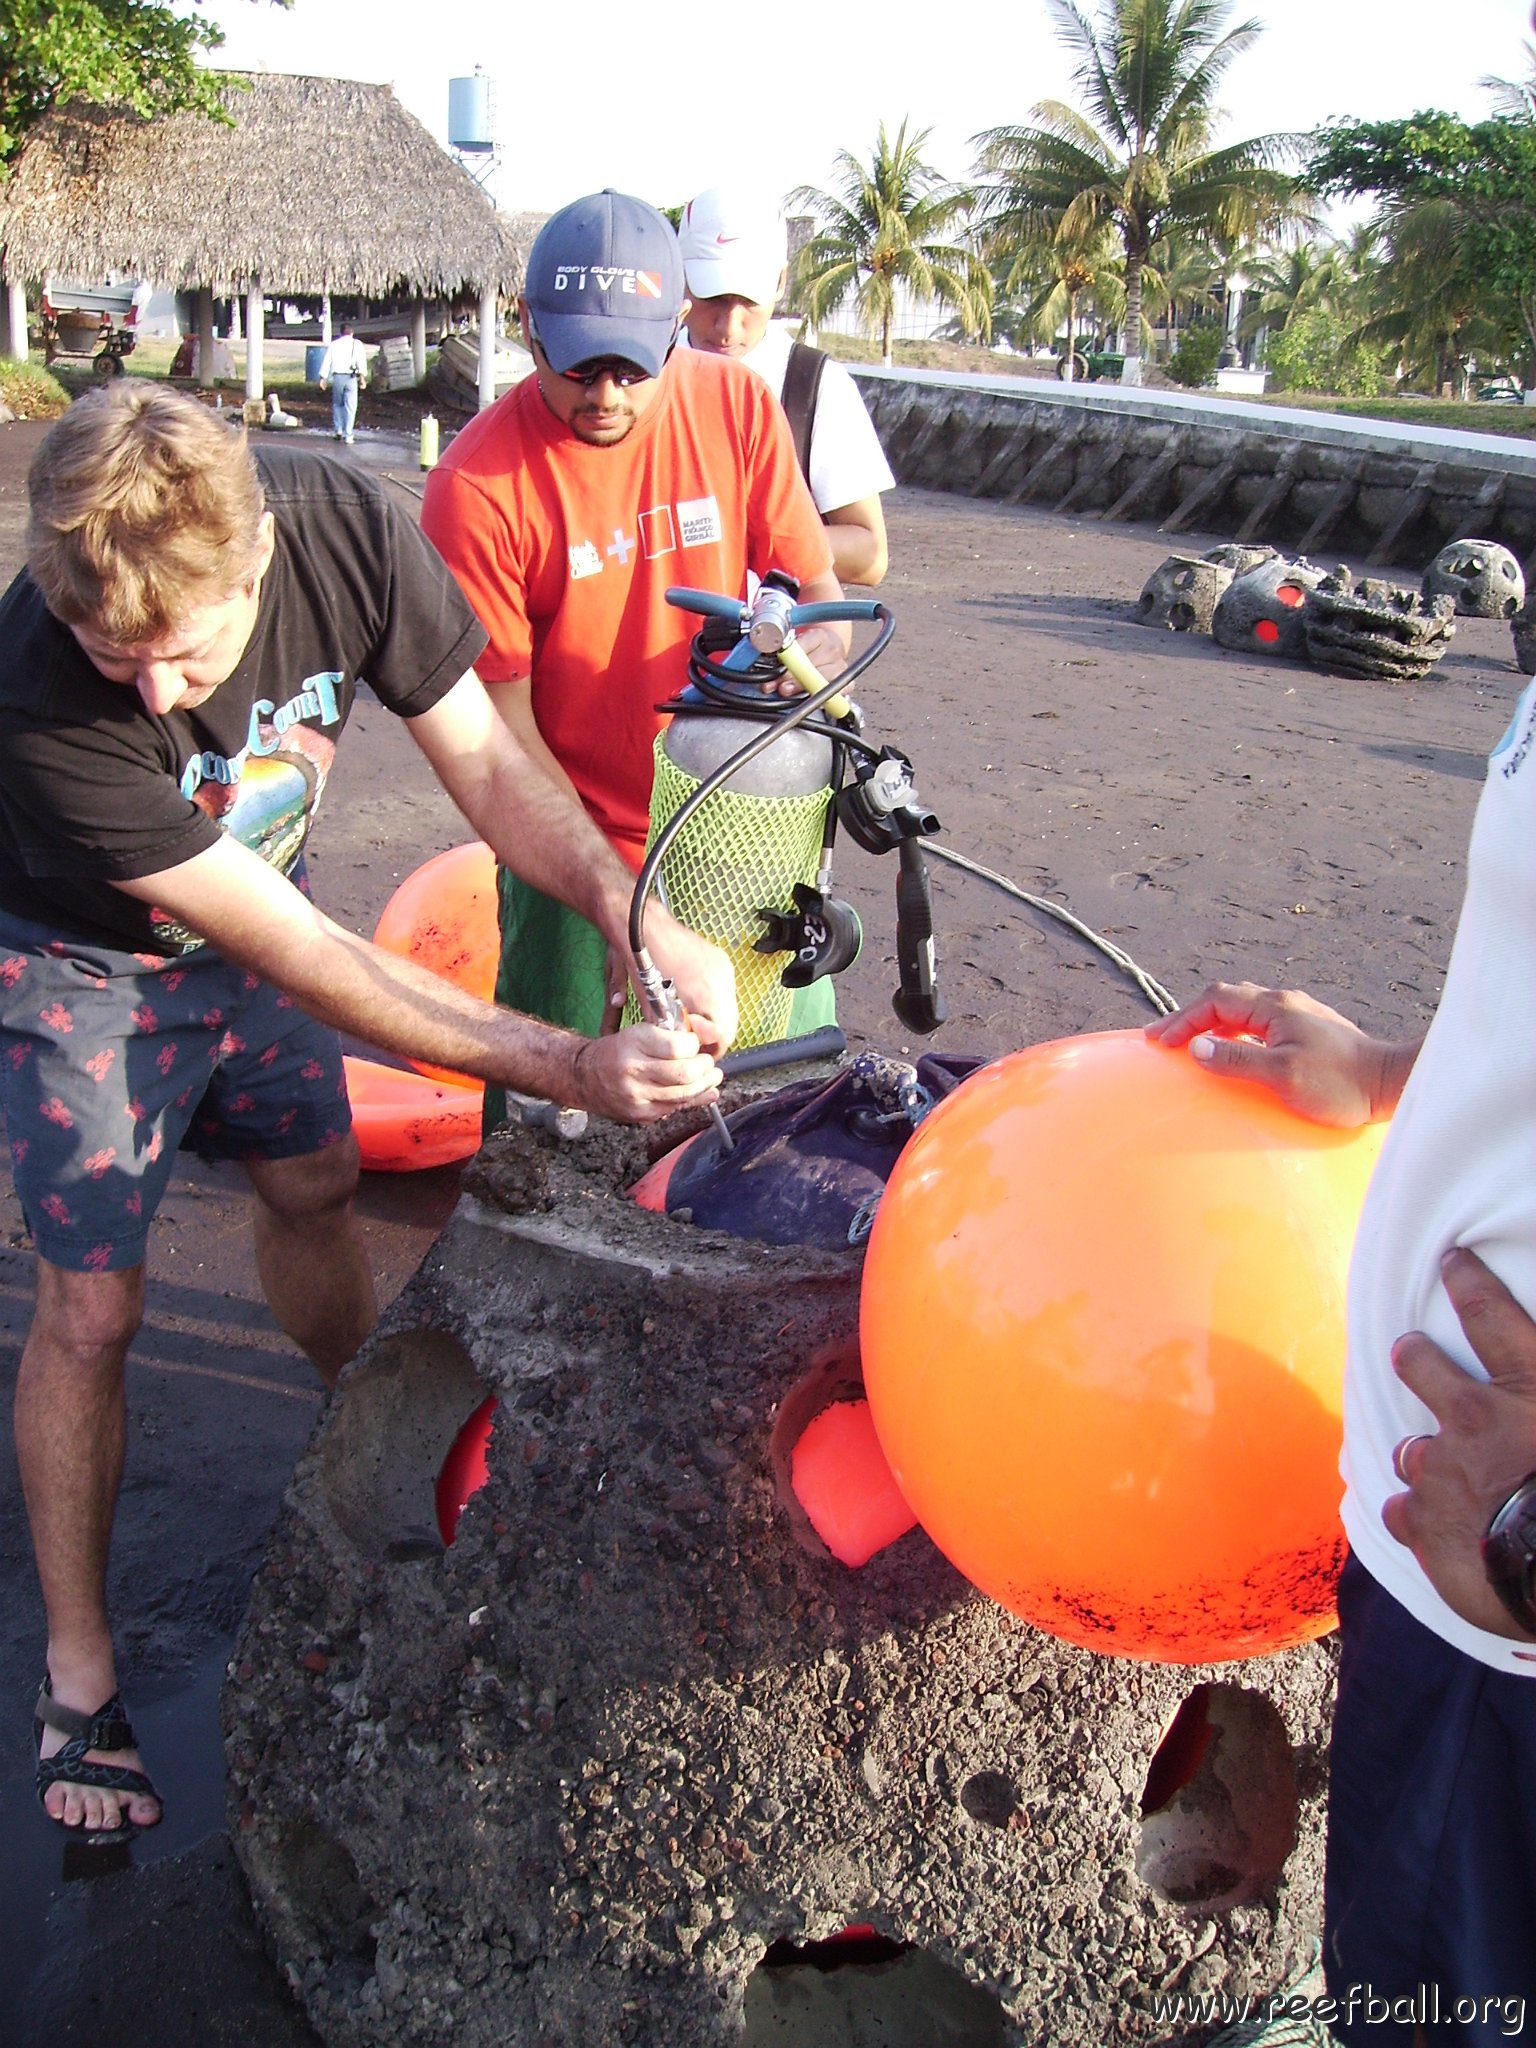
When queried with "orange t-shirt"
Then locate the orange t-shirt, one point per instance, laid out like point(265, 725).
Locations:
point(566, 550)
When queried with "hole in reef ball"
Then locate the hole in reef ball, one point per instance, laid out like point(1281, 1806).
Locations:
point(989, 1797)
point(1219, 1809)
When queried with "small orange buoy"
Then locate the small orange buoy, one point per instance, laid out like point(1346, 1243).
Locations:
point(1102, 1328)
point(405, 1122)
point(443, 916)
point(841, 1479)
point(465, 1469)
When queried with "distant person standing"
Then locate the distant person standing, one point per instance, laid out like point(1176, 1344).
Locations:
point(735, 260)
point(342, 370)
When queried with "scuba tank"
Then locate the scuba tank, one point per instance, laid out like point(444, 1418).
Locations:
point(743, 852)
point(751, 856)
point(748, 792)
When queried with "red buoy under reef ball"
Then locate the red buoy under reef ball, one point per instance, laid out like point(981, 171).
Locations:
point(465, 1469)
point(1102, 1327)
point(405, 1121)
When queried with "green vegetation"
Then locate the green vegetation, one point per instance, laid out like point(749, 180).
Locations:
point(1041, 289)
point(1458, 221)
point(1514, 422)
point(30, 392)
point(1138, 157)
point(883, 228)
point(1121, 223)
point(125, 53)
point(1194, 360)
point(1317, 350)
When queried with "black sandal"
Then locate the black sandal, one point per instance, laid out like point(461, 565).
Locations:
point(108, 1728)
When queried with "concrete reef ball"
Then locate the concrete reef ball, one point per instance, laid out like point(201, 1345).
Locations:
point(1261, 610)
point(1484, 578)
point(570, 1780)
point(1102, 1332)
point(1374, 629)
point(1182, 592)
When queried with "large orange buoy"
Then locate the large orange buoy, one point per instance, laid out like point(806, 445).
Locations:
point(404, 1121)
point(443, 916)
point(1102, 1327)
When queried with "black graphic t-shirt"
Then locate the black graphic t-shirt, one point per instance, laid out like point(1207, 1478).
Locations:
point(95, 789)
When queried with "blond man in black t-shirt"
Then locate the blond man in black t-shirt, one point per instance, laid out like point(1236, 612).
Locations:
point(176, 665)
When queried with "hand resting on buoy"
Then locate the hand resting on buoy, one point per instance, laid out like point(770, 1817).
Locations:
point(1318, 1063)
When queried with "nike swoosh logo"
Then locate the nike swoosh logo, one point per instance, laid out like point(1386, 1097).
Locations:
point(727, 238)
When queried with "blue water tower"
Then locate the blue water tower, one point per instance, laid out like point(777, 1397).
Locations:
point(469, 115)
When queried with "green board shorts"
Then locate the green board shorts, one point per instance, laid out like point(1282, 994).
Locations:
point(554, 965)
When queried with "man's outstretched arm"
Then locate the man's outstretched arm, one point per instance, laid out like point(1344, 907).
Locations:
point(495, 765)
point(258, 919)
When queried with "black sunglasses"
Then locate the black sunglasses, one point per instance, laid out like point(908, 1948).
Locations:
point(618, 368)
point(622, 372)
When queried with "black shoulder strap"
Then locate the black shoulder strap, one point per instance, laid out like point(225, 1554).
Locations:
point(802, 381)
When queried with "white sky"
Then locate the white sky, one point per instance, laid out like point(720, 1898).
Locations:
point(588, 93)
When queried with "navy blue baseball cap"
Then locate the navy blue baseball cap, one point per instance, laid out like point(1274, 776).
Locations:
point(605, 278)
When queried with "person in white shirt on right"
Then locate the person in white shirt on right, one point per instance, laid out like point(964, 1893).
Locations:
point(342, 370)
point(735, 258)
point(1429, 1914)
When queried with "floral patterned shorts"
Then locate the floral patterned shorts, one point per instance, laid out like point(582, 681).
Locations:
point(110, 1061)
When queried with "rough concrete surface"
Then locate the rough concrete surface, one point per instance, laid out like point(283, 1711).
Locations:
point(571, 1778)
point(1213, 814)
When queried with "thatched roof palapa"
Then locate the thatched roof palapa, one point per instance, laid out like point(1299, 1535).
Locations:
point(320, 184)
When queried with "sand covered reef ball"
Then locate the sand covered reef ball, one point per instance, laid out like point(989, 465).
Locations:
point(1102, 1323)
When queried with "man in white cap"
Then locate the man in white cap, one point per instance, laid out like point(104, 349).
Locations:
point(735, 258)
point(623, 465)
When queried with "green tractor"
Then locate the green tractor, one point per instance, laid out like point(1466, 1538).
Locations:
point(1089, 366)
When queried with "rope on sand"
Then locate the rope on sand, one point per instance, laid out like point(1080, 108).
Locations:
point(1151, 988)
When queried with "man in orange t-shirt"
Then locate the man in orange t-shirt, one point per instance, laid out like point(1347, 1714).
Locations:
point(567, 509)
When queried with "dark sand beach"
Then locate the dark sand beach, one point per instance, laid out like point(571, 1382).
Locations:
point(1213, 815)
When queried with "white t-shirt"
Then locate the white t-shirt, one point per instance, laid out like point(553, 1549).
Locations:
point(1458, 1168)
point(846, 460)
point(346, 355)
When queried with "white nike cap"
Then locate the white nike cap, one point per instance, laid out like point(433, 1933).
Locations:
point(734, 243)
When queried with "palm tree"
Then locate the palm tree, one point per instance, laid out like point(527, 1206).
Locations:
point(1139, 158)
point(1285, 278)
point(1428, 300)
point(883, 227)
point(1515, 98)
point(1182, 275)
point(1053, 279)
